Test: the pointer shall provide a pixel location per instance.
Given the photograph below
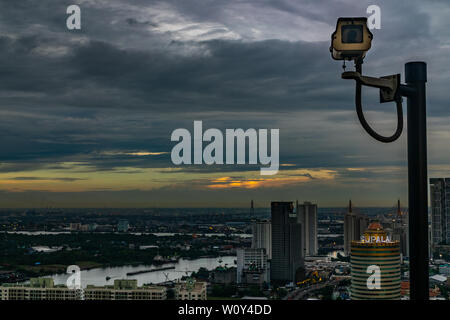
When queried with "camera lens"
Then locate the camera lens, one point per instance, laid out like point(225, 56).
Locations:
point(352, 34)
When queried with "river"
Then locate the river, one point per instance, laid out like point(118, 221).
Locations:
point(182, 267)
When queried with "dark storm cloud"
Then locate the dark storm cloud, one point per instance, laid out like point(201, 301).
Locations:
point(73, 90)
point(139, 69)
point(233, 76)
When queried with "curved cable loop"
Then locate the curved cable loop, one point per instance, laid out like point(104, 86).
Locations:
point(366, 125)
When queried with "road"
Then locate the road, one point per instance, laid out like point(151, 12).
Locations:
point(298, 294)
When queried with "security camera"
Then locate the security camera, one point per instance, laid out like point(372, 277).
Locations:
point(351, 39)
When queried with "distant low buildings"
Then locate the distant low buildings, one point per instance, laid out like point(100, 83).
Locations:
point(223, 275)
point(7, 276)
point(125, 289)
point(38, 289)
point(123, 225)
point(438, 279)
point(44, 289)
point(83, 227)
point(75, 226)
point(190, 290)
point(444, 269)
point(405, 290)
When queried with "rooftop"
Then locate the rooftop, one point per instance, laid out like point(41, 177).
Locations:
point(375, 226)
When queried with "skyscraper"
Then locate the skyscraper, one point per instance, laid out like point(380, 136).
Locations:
point(262, 236)
point(307, 216)
point(354, 226)
point(440, 210)
point(287, 259)
point(399, 226)
point(252, 266)
point(375, 256)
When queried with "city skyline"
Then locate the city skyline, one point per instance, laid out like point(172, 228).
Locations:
point(86, 115)
point(215, 251)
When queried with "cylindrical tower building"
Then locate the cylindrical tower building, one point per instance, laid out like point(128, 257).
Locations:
point(375, 257)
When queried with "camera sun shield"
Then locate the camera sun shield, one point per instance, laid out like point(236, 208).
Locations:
point(351, 39)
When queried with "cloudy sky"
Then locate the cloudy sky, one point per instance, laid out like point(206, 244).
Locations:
point(86, 115)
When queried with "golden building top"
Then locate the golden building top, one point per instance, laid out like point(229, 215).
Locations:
point(375, 236)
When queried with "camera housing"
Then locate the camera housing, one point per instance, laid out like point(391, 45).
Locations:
point(351, 39)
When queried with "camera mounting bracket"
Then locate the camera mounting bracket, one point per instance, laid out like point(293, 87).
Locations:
point(388, 85)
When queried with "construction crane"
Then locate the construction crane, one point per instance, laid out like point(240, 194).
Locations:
point(312, 278)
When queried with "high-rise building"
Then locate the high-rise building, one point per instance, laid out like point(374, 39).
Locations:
point(396, 226)
point(287, 257)
point(354, 226)
point(252, 209)
point(307, 216)
point(399, 227)
point(262, 236)
point(375, 255)
point(252, 266)
point(400, 234)
point(440, 210)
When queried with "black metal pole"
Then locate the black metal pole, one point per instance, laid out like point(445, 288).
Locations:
point(415, 77)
